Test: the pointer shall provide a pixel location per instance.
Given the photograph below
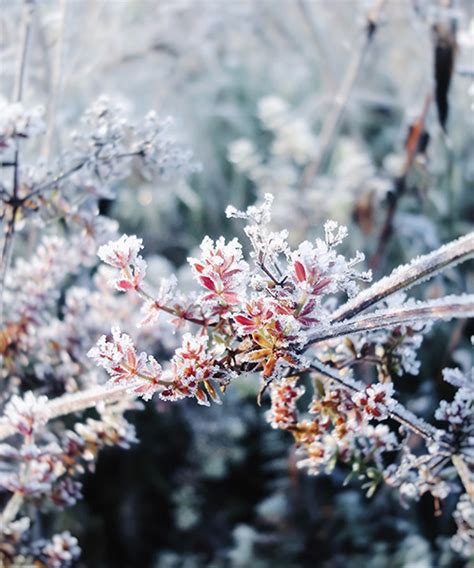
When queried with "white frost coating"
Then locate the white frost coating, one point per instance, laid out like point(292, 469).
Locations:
point(76, 402)
point(446, 308)
point(418, 270)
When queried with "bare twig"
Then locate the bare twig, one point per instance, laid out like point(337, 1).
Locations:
point(55, 82)
point(27, 14)
point(331, 124)
point(64, 175)
point(310, 23)
point(400, 185)
point(465, 474)
point(11, 509)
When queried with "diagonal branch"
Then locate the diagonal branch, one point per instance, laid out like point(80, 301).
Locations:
point(331, 124)
point(76, 402)
point(404, 277)
point(465, 474)
point(447, 308)
point(400, 185)
point(89, 398)
point(52, 183)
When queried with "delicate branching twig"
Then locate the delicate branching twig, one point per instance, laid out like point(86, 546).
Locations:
point(51, 184)
point(171, 311)
point(398, 412)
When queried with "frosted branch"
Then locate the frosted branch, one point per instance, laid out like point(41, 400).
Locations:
point(447, 308)
point(418, 270)
point(465, 474)
point(76, 402)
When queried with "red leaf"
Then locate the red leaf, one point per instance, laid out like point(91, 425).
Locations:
point(300, 271)
point(243, 320)
point(208, 283)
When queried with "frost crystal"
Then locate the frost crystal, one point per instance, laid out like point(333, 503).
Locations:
point(27, 414)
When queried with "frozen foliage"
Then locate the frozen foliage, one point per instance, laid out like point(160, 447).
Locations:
point(463, 541)
point(264, 315)
point(17, 122)
point(261, 316)
point(60, 552)
point(118, 357)
point(279, 318)
point(26, 414)
point(52, 310)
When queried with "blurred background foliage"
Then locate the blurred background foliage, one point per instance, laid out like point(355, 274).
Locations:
point(251, 85)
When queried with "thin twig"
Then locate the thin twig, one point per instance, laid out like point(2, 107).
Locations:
point(171, 311)
point(11, 509)
point(330, 126)
point(63, 175)
point(55, 82)
point(465, 474)
point(400, 185)
point(27, 14)
point(310, 23)
point(25, 28)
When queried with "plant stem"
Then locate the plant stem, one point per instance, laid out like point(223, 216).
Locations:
point(55, 82)
point(27, 14)
point(443, 308)
point(11, 509)
point(330, 126)
point(404, 277)
point(149, 298)
point(400, 185)
point(63, 175)
point(465, 474)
